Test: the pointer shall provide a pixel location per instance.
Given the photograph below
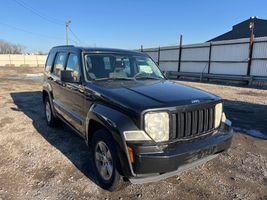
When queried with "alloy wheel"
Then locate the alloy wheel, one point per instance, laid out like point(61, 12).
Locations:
point(103, 159)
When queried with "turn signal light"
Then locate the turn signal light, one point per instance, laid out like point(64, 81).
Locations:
point(131, 156)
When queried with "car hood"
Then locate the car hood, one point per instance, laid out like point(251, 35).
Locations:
point(146, 94)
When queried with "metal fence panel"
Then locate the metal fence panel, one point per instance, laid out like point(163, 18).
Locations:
point(192, 54)
point(197, 45)
point(259, 68)
point(234, 41)
point(260, 50)
point(196, 67)
point(171, 54)
point(168, 66)
point(229, 68)
point(234, 52)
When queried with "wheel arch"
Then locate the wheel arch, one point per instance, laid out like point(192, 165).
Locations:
point(47, 93)
point(115, 122)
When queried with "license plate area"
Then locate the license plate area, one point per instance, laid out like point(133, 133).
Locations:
point(201, 154)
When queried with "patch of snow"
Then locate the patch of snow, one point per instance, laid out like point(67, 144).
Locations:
point(33, 75)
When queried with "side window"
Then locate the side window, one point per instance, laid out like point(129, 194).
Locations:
point(127, 66)
point(73, 65)
point(49, 61)
point(59, 63)
point(107, 63)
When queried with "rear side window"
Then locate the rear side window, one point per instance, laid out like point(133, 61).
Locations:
point(49, 61)
point(59, 63)
point(73, 65)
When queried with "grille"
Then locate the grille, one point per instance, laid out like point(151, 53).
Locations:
point(190, 124)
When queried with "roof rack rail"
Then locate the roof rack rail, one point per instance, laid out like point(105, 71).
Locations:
point(65, 46)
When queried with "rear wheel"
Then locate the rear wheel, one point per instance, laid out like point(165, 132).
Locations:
point(106, 162)
point(50, 119)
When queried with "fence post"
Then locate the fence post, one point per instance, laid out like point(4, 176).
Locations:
point(180, 54)
point(209, 62)
point(37, 60)
point(209, 57)
point(158, 55)
point(251, 44)
point(9, 59)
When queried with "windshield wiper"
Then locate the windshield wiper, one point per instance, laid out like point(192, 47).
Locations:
point(148, 77)
point(113, 78)
point(127, 78)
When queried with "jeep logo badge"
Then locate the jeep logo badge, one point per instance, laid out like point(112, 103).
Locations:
point(195, 101)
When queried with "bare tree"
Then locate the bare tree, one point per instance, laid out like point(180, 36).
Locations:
point(10, 48)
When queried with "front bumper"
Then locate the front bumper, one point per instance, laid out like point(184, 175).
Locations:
point(153, 163)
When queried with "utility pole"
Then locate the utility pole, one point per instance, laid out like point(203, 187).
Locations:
point(67, 30)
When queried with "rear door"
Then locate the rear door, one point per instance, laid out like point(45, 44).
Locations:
point(59, 98)
point(48, 68)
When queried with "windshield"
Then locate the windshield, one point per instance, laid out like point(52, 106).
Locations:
point(115, 66)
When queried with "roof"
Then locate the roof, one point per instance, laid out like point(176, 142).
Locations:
point(98, 49)
point(242, 30)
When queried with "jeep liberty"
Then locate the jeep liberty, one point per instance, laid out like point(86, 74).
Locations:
point(139, 126)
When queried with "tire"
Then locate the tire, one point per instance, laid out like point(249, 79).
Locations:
point(103, 142)
point(51, 120)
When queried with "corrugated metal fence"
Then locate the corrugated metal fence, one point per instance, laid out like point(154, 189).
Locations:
point(214, 58)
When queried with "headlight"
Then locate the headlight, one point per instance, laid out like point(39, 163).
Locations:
point(157, 125)
point(218, 114)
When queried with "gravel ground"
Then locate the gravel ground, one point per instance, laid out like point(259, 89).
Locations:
point(37, 162)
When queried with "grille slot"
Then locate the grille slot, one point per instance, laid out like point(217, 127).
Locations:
point(193, 123)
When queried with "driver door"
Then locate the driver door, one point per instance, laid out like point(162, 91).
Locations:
point(74, 94)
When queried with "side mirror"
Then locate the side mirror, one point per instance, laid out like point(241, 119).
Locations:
point(67, 76)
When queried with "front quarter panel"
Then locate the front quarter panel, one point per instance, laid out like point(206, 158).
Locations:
point(116, 122)
point(110, 118)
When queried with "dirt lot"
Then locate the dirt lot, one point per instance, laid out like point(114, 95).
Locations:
point(37, 162)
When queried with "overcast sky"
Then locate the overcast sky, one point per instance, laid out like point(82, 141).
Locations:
point(39, 25)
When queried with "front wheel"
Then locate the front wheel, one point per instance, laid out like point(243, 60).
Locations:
point(105, 161)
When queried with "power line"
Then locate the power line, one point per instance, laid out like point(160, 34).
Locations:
point(36, 12)
point(74, 41)
point(29, 32)
point(49, 19)
point(77, 38)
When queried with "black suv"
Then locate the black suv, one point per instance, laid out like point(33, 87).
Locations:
point(138, 125)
